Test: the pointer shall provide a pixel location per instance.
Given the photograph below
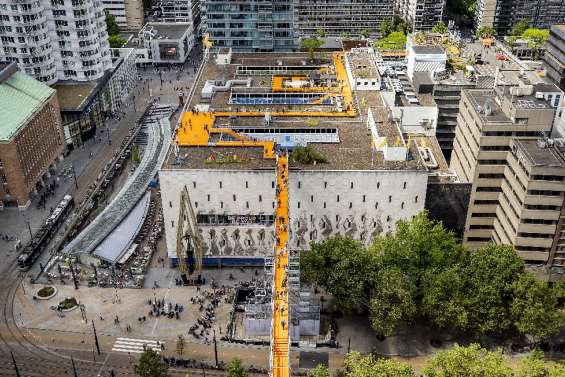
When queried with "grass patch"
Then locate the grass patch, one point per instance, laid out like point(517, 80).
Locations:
point(68, 303)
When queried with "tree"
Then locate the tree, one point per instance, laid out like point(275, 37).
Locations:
point(392, 301)
point(320, 371)
point(466, 8)
point(312, 44)
point(394, 41)
point(116, 41)
point(369, 366)
point(180, 344)
point(342, 267)
point(485, 32)
point(365, 33)
point(150, 365)
point(511, 40)
point(534, 366)
point(111, 25)
point(536, 39)
point(490, 273)
point(236, 369)
point(386, 28)
point(442, 301)
point(307, 155)
point(440, 28)
point(519, 28)
point(472, 361)
point(535, 308)
point(418, 244)
point(320, 33)
point(344, 35)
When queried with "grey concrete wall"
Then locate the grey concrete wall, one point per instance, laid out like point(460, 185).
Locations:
point(448, 203)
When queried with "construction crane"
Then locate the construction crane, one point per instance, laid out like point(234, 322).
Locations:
point(189, 246)
point(280, 339)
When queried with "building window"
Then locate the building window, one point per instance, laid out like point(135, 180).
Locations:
point(260, 198)
point(208, 197)
point(298, 205)
point(350, 205)
point(246, 184)
point(194, 184)
point(324, 204)
point(195, 204)
point(312, 198)
point(170, 204)
point(338, 198)
point(247, 205)
point(299, 184)
point(172, 223)
point(221, 204)
point(364, 197)
point(351, 186)
point(336, 218)
point(272, 184)
point(376, 205)
point(234, 198)
point(416, 199)
point(325, 185)
point(390, 198)
point(404, 186)
point(402, 205)
point(220, 184)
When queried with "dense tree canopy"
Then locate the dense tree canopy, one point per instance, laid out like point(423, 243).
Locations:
point(150, 365)
point(519, 28)
point(422, 272)
point(535, 307)
point(320, 371)
point(534, 366)
point(341, 266)
point(472, 361)
point(369, 366)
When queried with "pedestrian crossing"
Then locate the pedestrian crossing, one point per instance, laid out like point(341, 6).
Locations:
point(129, 345)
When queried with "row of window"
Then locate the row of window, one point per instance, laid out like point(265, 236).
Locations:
point(299, 185)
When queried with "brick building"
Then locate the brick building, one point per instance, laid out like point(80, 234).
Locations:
point(31, 136)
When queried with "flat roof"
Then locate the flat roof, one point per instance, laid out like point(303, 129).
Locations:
point(74, 95)
point(362, 65)
point(480, 97)
point(170, 30)
point(352, 151)
point(540, 153)
point(421, 49)
point(21, 96)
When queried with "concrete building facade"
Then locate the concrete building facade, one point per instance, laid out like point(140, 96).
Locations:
point(129, 14)
point(248, 26)
point(338, 17)
point(421, 15)
point(486, 124)
point(554, 58)
point(55, 40)
point(502, 15)
point(31, 137)
point(530, 215)
point(234, 209)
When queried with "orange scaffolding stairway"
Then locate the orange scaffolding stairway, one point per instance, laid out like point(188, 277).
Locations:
point(280, 341)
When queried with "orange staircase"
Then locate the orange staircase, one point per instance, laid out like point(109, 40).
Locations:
point(280, 341)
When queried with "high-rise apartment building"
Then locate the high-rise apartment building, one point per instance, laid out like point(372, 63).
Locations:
point(554, 58)
point(250, 25)
point(486, 124)
point(530, 214)
point(179, 11)
point(421, 15)
point(337, 17)
point(128, 13)
point(55, 39)
point(31, 135)
point(502, 15)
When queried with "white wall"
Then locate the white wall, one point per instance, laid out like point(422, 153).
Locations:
point(362, 212)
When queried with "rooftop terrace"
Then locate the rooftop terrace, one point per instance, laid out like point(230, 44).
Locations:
point(226, 135)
